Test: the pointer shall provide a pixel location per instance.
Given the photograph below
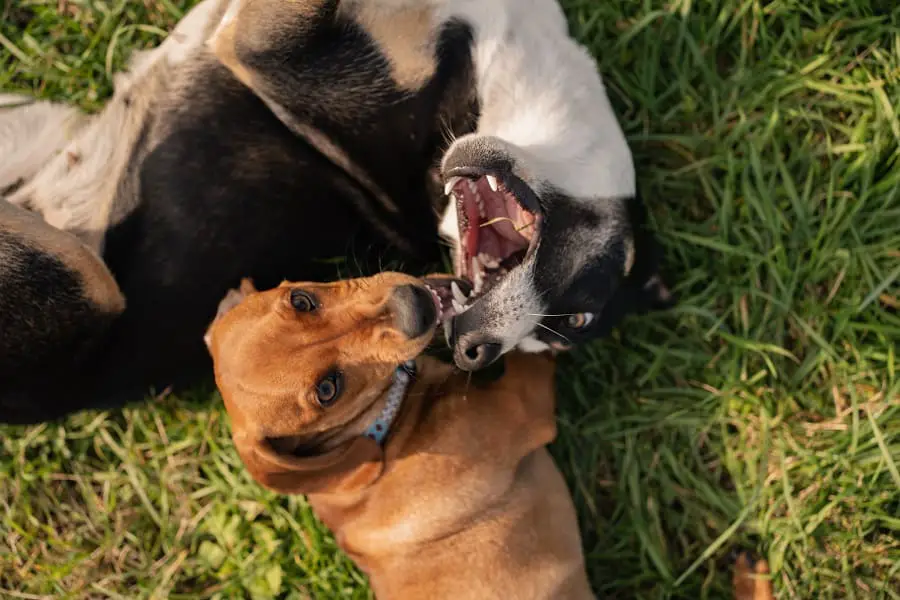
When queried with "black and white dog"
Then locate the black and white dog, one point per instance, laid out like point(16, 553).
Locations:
point(545, 217)
point(264, 136)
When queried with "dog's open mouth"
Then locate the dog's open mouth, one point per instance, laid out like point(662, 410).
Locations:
point(450, 295)
point(499, 225)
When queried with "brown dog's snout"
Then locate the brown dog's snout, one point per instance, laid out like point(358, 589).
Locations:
point(415, 313)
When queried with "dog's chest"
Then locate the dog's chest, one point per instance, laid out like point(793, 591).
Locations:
point(461, 464)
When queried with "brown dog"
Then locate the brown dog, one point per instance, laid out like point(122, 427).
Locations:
point(455, 496)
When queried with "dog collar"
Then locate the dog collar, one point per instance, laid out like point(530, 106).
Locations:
point(402, 375)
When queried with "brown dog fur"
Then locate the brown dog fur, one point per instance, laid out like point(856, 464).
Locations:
point(463, 502)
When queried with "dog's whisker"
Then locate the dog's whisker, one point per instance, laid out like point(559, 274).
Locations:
point(468, 385)
point(560, 315)
point(553, 331)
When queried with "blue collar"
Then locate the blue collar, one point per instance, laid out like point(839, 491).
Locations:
point(381, 427)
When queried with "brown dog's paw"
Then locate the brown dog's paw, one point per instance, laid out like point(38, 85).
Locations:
point(751, 579)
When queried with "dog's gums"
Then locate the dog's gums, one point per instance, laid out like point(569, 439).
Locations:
point(497, 230)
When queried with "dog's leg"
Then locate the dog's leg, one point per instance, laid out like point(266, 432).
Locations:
point(91, 183)
point(31, 134)
point(77, 173)
point(57, 299)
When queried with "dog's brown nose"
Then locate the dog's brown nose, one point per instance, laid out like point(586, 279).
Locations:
point(415, 313)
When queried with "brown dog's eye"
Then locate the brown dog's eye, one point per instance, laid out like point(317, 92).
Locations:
point(329, 388)
point(303, 301)
point(580, 320)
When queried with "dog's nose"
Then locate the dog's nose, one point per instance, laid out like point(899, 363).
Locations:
point(474, 352)
point(415, 313)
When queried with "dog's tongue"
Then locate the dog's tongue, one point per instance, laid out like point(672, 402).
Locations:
point(499, 233)
point(495, 245)
point(470, 206)
point(506, 217)
point(497, 212)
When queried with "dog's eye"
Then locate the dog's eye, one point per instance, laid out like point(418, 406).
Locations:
point(579, 320)
point(303, 301)
point(329, 389)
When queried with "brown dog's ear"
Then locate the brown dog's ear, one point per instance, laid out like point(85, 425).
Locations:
point(349, 468)
point(235, 297)
point(231, 299)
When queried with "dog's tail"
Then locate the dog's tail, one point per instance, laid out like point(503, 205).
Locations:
point(31, 133)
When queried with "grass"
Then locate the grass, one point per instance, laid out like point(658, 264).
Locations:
point(763, 412)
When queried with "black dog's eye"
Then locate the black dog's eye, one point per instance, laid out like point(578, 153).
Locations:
point(329, 389)
point(579, 320)
point(303, 301)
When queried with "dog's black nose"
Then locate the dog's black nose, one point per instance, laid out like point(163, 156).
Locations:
point(474, 352)
point(415, 313)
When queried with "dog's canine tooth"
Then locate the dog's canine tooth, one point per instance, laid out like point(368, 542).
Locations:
point(451, 183)
point(458, 295)
point(492, 181)
point(458, 307)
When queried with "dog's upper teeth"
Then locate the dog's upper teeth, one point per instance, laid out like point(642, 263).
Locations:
point(458, 307)
point(477, 275)
point(451, 183)
point(492, 181)
point(480, 202)
point(488, 261)
point(473, 187)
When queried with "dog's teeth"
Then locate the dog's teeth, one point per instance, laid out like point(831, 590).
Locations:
point(473, 187)
point(458, 307)
point(492, 181)
point(451, 183)
point(458, 295)
point(488, 261)
point(477, 275)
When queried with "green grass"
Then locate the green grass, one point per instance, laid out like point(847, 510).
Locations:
point(763, 412)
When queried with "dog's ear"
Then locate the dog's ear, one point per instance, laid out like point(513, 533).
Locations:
point(649, 291)
point(655, 294)
point(231, 299)
point(643, 289)
point(349, 468)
